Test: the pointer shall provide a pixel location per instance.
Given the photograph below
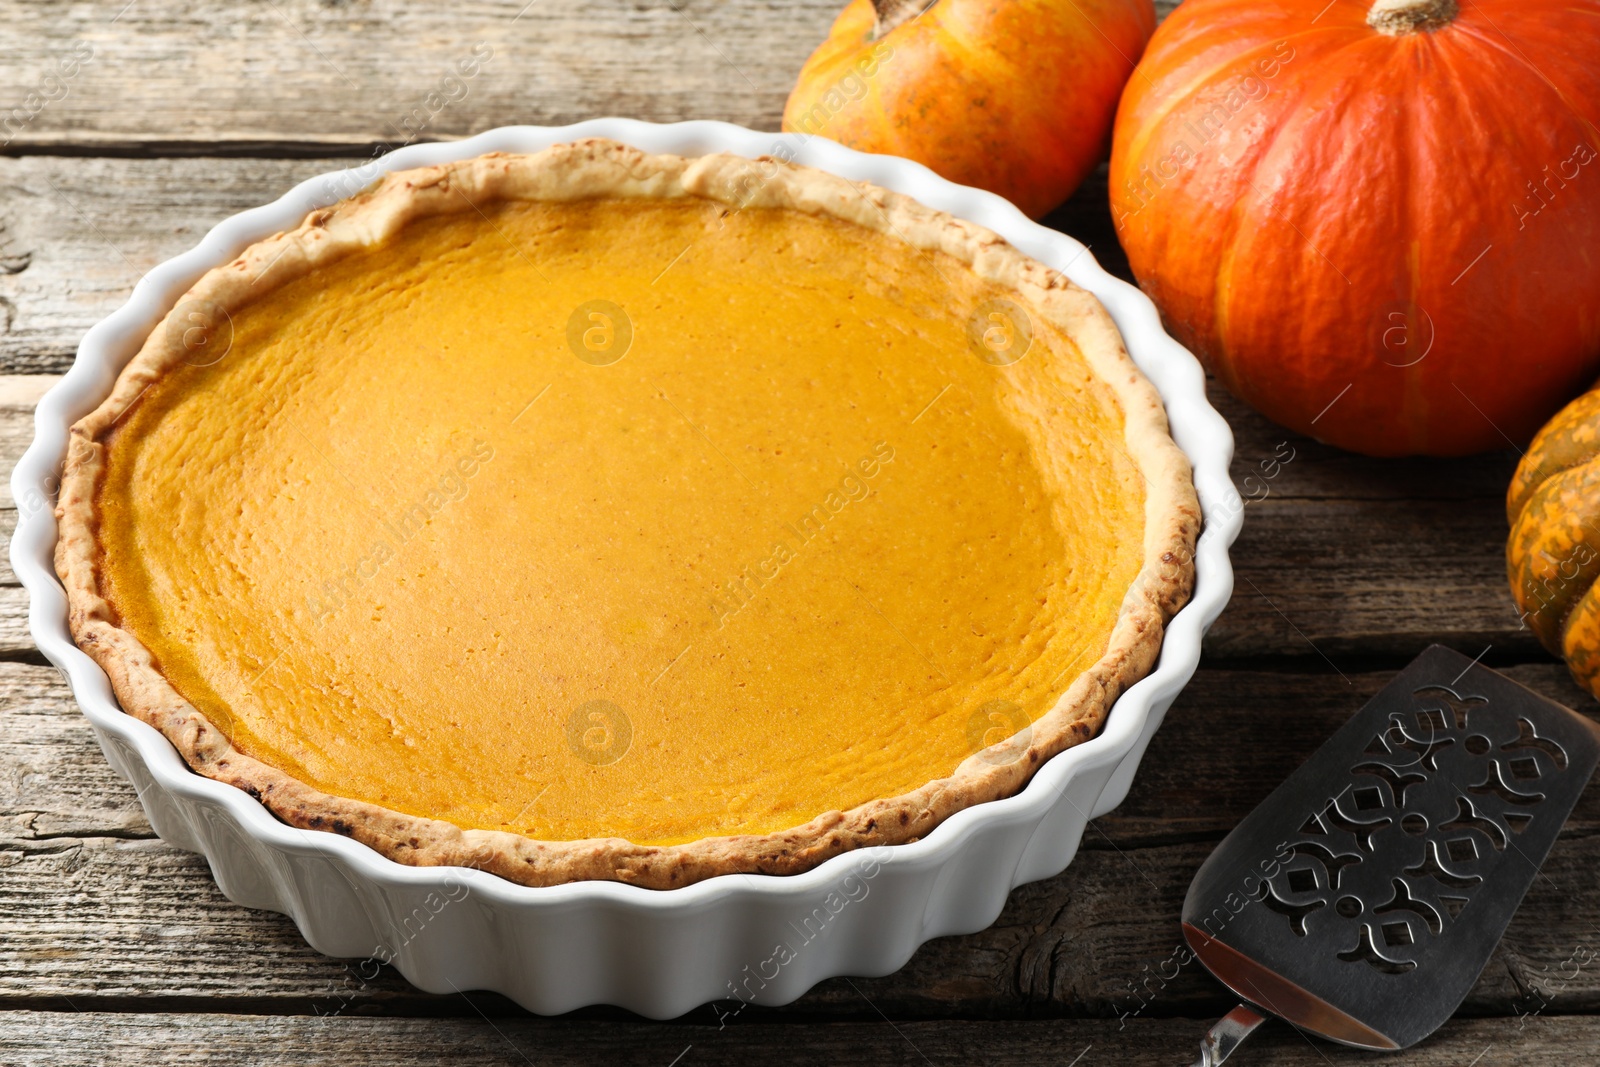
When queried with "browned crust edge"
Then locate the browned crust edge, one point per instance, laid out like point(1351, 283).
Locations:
point(604, 168)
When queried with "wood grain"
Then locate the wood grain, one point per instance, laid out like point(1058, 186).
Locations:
point(57, 1039)
point(1333, 581)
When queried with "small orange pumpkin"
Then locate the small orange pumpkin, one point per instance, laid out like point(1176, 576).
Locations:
point(1553, 554)
point(1375, 220)
point(1016, 97)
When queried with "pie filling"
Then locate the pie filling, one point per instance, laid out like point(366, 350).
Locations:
point(646, 519)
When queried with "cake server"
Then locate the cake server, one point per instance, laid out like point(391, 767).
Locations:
point(1362, 899)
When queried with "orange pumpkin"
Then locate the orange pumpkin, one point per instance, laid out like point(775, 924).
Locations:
point(1553, 554)
point(1376, 222)
point(1013, 96)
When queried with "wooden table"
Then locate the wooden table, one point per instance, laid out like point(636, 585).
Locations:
point(115, 948)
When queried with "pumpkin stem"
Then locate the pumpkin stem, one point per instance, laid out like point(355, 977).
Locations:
point(1400, 17)
point(892, 13)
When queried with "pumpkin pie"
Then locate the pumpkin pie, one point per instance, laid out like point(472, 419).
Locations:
point(601, 515)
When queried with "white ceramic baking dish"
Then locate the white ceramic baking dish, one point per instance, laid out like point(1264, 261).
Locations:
point(734, 938)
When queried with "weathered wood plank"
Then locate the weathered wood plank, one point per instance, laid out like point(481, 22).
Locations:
point(300, 72)
point(283, 76)
point(15, 640)
point(1334, 580)
point(92, 907)
point(54, 783)
point(19, 394)
point(37, 1039)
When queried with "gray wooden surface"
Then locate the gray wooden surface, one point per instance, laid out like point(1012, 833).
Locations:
point(115, 948)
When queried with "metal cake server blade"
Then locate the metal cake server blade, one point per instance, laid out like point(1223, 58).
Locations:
point(1362, 899)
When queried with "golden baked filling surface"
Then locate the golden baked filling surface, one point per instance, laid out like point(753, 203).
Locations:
point(400, 534)
point(624, 521)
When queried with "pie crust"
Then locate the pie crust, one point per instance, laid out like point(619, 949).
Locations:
point(592, 169)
